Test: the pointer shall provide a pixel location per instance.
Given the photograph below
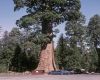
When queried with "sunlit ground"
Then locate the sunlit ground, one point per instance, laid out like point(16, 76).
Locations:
point(49, 77)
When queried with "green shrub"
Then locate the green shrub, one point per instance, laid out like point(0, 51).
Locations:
point(3, 68)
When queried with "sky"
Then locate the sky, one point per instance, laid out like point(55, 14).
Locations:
point(8, 17)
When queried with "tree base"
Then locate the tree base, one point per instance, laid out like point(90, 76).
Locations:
point(38, 72)
point(47, 62)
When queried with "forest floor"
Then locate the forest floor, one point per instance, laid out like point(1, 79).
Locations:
point(49, 77)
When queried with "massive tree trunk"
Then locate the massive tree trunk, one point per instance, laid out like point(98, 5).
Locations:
point(47, 61)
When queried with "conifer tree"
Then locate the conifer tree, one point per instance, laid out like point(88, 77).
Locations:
point(46, 13)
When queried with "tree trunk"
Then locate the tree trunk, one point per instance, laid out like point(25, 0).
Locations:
point(47, 62)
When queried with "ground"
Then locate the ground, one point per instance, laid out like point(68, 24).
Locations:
point(49, 77)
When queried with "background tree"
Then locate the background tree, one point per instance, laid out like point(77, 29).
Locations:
point(15, 61)
point(75, 30)
point(68, 57)
point(4, 61)
point(94, 34)
point(61, 52)
point(25, 51)
point(9, 42)
point(18, 51)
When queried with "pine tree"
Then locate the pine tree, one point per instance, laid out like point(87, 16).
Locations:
point(75, 30)
point(94, 33)
point(68, 57)
point(61, 52)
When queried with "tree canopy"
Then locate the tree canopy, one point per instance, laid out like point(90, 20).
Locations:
point(49, 10)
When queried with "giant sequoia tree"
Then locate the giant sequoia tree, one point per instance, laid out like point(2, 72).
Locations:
point(46, 13)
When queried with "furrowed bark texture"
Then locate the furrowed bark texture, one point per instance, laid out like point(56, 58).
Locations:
point(47, 61)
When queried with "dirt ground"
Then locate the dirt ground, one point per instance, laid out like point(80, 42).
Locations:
point(49, 77)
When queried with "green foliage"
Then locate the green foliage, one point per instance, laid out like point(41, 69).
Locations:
point(76, 54)
point(59, 1)
point(94, 30)
point(67, 57)
point(46, 13)
point(75, 29)
point(3, 68)
point(47, 9)
point(61, 52)
point(94, 35)
point(17, 52)
point(80, 47)
point(73, 59)
point(26, 60)
point(90, 61)
point(15, 61)
point(75, 32)
point(28, 54)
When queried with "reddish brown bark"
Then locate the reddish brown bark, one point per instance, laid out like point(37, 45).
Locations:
point(47, 62)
